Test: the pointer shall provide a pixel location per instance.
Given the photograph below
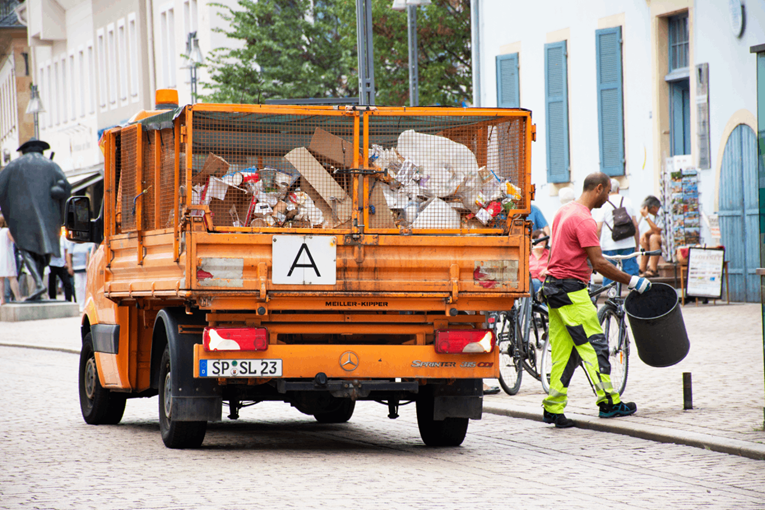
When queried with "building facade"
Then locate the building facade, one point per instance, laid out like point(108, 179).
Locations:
point(622, 86)
point(98, 62)
point(15, 80)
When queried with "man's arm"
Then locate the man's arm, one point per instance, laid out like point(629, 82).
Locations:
point(604, 267)
point(654, 228)
point(600, 228)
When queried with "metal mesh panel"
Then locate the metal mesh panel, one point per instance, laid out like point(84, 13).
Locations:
point(167, 178)
point(114, 182)
point(274, 170)
point(148, 186)
point(127, 178)
point(446, 172)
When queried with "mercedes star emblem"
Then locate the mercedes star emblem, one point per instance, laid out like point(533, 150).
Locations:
point(349, 361)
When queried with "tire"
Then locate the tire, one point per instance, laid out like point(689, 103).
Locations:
point(510, 362)
point(98, 405)
point(545, 364)
point(448, 432)
point(618, 346)
point(342, 414)
point(175, 434)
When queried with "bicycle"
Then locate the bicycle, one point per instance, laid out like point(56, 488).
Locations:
point(521, 333)
point(613, 319)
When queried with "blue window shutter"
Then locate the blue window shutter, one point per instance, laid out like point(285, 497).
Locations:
point(608, 43)
point(508, 89)
point(556, 111)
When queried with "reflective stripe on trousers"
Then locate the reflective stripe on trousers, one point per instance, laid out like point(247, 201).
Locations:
point(576, 335)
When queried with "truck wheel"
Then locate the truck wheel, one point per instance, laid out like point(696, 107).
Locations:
point(340, 415)
point(98, 406)
point(448, 432)
point(175, 434)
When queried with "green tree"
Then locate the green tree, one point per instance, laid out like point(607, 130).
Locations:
point(286, 49)
point(292, 50)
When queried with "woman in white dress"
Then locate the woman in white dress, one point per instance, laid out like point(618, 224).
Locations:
point(7, 263)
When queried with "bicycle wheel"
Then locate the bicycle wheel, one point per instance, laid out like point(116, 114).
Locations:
point(538, 332)
point(615, 330)
point(510, 364)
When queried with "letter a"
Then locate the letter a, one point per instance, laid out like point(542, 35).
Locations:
point(296, 264)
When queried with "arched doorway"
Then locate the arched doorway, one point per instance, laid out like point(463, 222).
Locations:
point(739, 213)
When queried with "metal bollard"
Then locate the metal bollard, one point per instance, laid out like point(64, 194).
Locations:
point(687, 391)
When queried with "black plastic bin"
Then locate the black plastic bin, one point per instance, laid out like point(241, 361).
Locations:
point(657, 325)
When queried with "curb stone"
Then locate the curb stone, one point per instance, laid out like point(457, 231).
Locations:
point(643, 431)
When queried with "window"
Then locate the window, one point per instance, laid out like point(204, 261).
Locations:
point(101, 71)
point(91, 79)
point(63, 96)
point(72, 88)
point(508, 86)
point(133, 56)
point(678, 42)
point(56, 104)
point(122, 59)
point(556, 112)
point(679, 86)
point(608, 46)
point(49, 95)
point(82, 80)
point(167, 37)
point(112, 64)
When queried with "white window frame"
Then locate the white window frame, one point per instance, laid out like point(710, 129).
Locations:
point(133, 42)
point(63, 90)
point(122, 61)
point(91, 74)
point(111, 64)
point(72, 87)
point(167, 38)
point(101, 70)
point(81, 78)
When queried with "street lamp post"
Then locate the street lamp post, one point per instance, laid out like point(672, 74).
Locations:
point(35, 107)
point(411, 19)
point(196, 59)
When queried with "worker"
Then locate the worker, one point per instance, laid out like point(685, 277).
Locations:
point(575, 334)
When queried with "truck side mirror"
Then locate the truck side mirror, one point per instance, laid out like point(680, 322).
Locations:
point(77, 219)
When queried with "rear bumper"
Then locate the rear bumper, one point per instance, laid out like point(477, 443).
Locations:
point(374, 362)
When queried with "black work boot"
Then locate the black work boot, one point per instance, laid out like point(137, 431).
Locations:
point(560, 420)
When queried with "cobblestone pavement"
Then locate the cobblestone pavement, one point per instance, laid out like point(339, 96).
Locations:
point(726, 364)
point(276, 457)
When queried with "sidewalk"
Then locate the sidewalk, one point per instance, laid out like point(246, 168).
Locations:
point(726, 362)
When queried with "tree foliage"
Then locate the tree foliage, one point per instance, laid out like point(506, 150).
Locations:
point(286, 49)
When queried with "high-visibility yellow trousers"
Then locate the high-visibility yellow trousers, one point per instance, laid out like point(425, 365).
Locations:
point(575, 336)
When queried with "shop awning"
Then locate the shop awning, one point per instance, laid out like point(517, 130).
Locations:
point(84, 179)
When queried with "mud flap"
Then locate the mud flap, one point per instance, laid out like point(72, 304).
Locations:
point(461, 399)
point(193, 399)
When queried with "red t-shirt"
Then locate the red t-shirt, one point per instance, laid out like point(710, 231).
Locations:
point(573, 230)
point(537, 265)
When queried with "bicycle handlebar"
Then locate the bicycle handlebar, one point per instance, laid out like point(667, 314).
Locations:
point(632, 255)
point(535, 242)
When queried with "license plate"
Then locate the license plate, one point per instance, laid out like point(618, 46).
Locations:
point(240, 368)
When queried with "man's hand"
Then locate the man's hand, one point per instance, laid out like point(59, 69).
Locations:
point(644, 211)
point(640, 284)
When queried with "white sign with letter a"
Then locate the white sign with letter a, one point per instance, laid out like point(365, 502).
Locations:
point(304, 260)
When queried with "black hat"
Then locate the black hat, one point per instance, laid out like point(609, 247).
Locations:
point(33, 145)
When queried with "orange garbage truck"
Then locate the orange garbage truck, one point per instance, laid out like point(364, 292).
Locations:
point(311, 255)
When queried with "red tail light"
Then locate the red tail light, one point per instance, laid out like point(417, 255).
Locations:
point(235, 339)
point(465, 341)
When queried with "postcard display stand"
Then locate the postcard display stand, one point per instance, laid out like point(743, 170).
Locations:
point(682, 226)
